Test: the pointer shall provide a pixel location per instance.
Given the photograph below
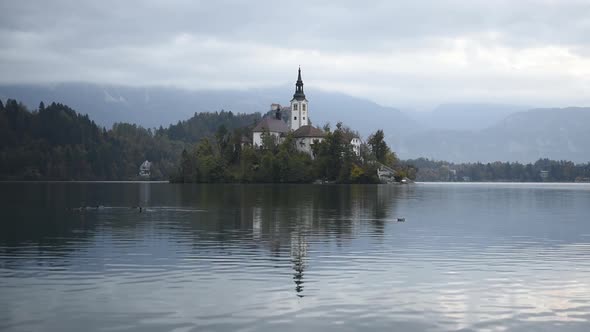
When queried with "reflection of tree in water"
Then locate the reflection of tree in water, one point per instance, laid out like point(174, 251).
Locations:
point(285, 219)
point(294, 216)
point(280, 219)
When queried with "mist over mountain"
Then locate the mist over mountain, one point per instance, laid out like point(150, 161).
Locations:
point(465, 116)
point(454, 132)
point(556, 133)
point(146, 106)
point(155, 106)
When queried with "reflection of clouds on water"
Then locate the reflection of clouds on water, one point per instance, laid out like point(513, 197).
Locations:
point(319, 215)
point(234, 257)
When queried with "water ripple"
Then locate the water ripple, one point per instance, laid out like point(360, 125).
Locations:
point(322, 258)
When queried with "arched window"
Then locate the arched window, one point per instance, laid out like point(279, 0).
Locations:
point(303, 107)
point(294, 107)
point(294, 118)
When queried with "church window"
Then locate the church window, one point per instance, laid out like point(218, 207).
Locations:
point(294, 107)
point(294, 118)
point(303, 118)
point(303, 107)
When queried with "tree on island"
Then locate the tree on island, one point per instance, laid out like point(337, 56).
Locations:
point(334, 160)
point(380, 150)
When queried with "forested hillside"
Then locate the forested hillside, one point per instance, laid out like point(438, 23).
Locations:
point(57, 143)
point(543, 170)
point(203, 125)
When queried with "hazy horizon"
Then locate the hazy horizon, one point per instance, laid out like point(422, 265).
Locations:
point(283, 94)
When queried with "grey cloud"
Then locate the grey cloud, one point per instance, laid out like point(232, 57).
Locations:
point(203, 44)
point(348, 25)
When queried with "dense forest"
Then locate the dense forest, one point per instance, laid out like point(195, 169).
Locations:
point(543, 170)
point(206, 124)
point(57, 143)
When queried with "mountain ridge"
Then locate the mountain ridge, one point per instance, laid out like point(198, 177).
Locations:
point(153, 106)
point(556, 133)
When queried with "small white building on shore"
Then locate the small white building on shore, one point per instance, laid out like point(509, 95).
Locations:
point(145, 169)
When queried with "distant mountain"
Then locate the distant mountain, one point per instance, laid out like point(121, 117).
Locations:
point(147, 106)
point(155, 106)
point(463, 116)
point(362, 115)
point(454, 132)
point(555, 133)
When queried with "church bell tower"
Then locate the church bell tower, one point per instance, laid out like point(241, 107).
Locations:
point(299, 110)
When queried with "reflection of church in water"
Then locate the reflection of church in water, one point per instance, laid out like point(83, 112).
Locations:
point(289, 226)
point(296, 237)
point(298, 258)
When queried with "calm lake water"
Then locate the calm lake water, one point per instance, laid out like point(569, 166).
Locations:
point(469, 257)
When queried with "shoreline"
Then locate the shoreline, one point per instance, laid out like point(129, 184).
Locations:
point(285, 183)
point(81, 181)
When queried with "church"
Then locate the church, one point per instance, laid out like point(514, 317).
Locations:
point(299, 123)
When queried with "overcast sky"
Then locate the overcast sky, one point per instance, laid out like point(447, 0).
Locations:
point(396, 53)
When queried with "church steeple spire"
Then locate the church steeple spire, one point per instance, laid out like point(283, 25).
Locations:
point(299, 111)
point(299, 95)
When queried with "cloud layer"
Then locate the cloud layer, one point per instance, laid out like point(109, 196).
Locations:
point(397, 53)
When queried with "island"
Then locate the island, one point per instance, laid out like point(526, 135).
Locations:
point(285, 147)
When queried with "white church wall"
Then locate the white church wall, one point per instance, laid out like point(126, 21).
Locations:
point(304, 144)
point(257, 138)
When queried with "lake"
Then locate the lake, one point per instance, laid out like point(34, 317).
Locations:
point(469, 257)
